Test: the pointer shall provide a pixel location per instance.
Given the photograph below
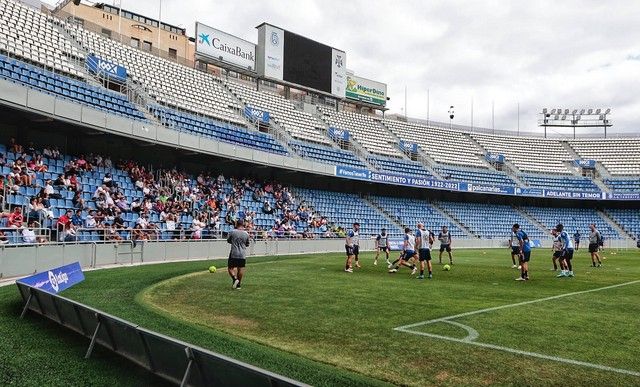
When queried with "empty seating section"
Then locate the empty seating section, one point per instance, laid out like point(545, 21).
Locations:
point(410, 212)
point(344, 209)
point(628, 219)
point(326, 154)
point(624, 185)
point(444, 146)
point(401, 166)
point(564, 183)
point(197, 125)
point(68, 88)
point(368, 131)
point(572, 219)
point(619, 156)
point(169, 83)
point(32, 36)
point(489, 221)
point(529, 154)
point(475, 176)
point(299, 124)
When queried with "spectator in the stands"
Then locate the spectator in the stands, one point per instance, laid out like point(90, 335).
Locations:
point(107, 180)
point(78, 201)
point(76, 219)
point(69, 233)
point(14, 146)
point(90, 220)
point(118, 222)
point(107, 163)
point(122, 204)
point(16, 219)
point(64, 220)
point(29, 234)
point(3, 238)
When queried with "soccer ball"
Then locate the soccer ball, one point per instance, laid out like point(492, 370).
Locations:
point(212, 269)
point(446, 267)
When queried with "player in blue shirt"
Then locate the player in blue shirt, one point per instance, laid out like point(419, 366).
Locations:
point(567, 253)
point(524, 252)
point(409, 252)
point(352, 246)
point(576, 239)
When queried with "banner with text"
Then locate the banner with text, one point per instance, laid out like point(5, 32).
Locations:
point(338, 134)
point(408, 146)
point(366, 90)
point(495, 158)
point(255, 114)
point(587, 164)
point(100, 66)
point(224, 47)
point(56, 280)
point(460, 186)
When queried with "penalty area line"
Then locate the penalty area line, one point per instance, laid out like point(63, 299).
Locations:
point(525, 353)
point(479, 311)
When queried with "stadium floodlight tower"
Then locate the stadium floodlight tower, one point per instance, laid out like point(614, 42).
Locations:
point(451, 115)
point(583, 118)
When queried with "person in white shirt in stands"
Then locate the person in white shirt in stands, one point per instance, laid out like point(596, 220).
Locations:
point(108, 163)
point(28, 235)
point(90, 220)
point(143, 221)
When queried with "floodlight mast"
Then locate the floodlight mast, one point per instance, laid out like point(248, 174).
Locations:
point(575, 118)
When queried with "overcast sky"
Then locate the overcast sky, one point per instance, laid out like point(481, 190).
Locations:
point(568, 54)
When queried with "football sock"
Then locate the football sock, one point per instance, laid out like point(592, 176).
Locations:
point(421, 272)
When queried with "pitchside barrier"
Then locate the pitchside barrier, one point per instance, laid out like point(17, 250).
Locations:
point(173, 360)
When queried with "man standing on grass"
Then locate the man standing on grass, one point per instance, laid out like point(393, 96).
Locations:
point(352, 246)
point(382, 244)
point(567, 253)
point(594, 244)
point(409, 252)
point(445, 243)
point(557, 250)
point(239, 240)
point(524, 252)
point(424, 241)
point(576, 239)
point(514, 245)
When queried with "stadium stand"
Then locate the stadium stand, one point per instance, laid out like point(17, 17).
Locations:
point(169, 83)
point(368, 131)
point(326, 154)
point(444, 146)
point(573, 219)
point(525, 153)
point(401, 166)
point(619, 156)
point(489, 221)
point(68, 88)
point(628, 219)
point(343, 209)
point(409, 212)
point(475, 175)
point(300, 125)
point(22, 30)
point(572, 183)
point(207, 127)
point(623, 185)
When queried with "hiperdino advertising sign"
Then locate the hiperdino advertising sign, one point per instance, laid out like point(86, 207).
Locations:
point(366, 90)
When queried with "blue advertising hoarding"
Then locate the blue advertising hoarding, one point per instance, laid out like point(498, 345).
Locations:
point(494, 158)
point(587, 164)
point(56, 280)
point(100, 66)
point(255, 114)
point(408, 146)
point(338, 134)
point(460, 186)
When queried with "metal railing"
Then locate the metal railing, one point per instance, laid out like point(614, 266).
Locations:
point(175, 361)
point(13, 236)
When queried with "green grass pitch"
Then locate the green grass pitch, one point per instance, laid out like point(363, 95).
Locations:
point(303, 317)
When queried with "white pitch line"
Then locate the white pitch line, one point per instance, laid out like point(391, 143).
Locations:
point(525, 353)
point(473, 334)
point(479, 311)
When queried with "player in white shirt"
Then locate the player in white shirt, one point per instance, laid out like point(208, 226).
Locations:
point(445, 244)
point(382, 244)
point(424, 241)
point(409, 252)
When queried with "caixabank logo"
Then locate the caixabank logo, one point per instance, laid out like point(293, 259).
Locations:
point(204, 39)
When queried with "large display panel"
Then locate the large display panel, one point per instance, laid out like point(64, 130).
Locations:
point(295, 59)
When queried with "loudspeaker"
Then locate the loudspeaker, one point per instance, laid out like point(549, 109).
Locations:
point(76, 2)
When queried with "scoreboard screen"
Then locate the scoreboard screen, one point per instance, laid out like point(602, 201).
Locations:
point(307, 62)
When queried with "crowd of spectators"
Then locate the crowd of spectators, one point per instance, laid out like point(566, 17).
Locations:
point(166, 201)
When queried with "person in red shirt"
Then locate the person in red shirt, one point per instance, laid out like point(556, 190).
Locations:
point(64, 220)
point(16, 218)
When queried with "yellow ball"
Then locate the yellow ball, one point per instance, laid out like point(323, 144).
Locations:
point(212, 269)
